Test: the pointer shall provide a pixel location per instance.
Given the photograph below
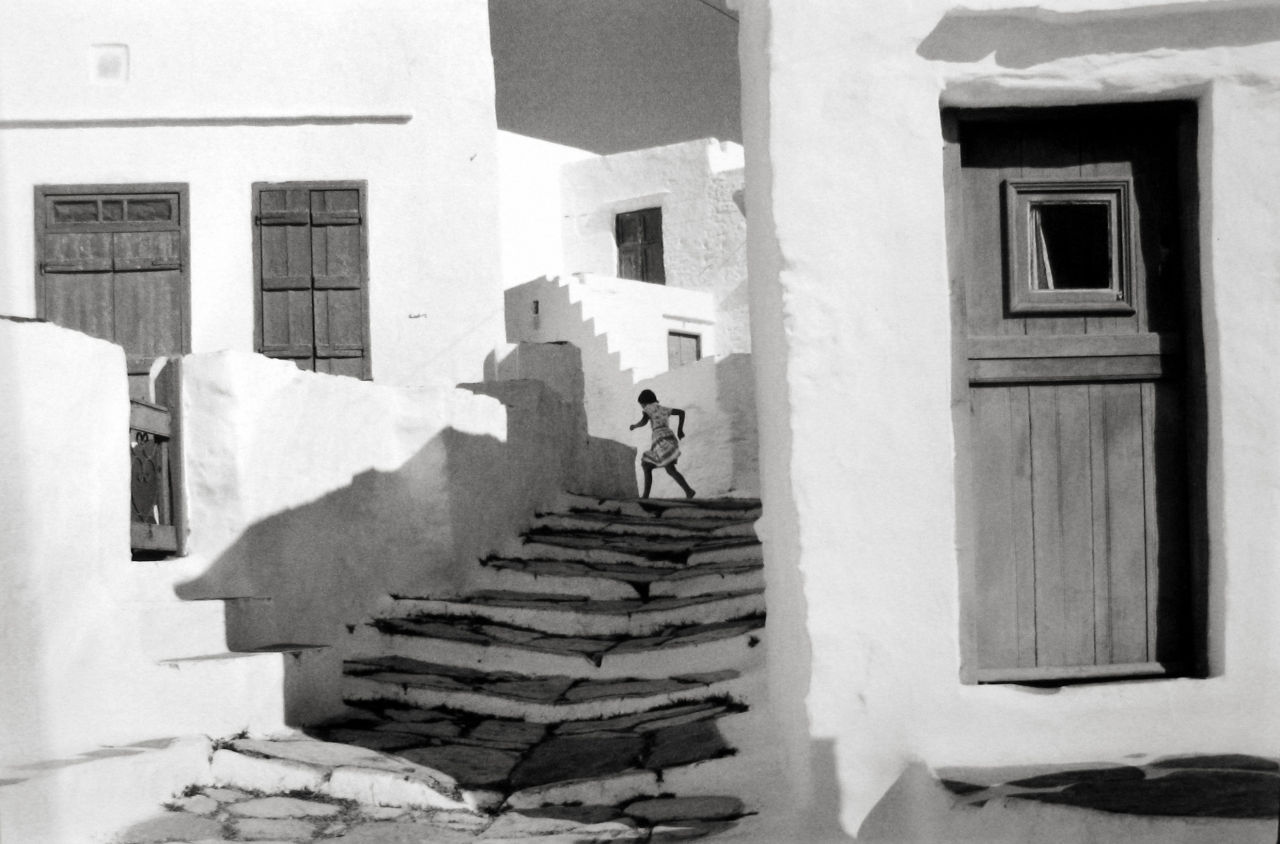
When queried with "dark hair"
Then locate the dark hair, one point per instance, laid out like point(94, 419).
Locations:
point(647, 397)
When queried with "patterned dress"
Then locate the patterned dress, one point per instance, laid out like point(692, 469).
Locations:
point(666, 447)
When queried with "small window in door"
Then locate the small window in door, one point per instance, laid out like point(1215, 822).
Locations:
point(639, 238)
point(682, 349)
point(1067, 245)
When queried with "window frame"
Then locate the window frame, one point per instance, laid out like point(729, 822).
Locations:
point(684, 335)
point(647, 272)
point(45, 195)
point(361, 186)
point(1021, 197)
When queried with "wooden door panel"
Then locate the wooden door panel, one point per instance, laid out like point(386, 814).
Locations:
point(160, 250)
point(1005, 586)
point(149, 312)
point(77, 252)
point(1062, 524)
point(287, 324)
point(335, 259)
point(1119, 502)
point(1078, 451)
point(286, 257)
point(82, 301)
point(339, 323)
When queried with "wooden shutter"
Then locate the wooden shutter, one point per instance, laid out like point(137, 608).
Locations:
point(112, 264)
point(284, 278)
point(639, 239)
point(682, 349)
point(77, 284)
point(312, 276)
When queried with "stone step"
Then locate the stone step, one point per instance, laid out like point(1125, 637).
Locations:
point(298, 763)
point(578, 615)
point(685, 508)
point(539, 698)
point(652, 552)
point(617, 581)
point(602, 760)
point(642, 526)
point(210, 813)
point(272, 685)
point(485, 645)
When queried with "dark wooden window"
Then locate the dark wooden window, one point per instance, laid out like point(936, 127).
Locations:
point(111, 261)
point(639, 237)
point(1080, 430)
point(311, 275)
point(682, 349)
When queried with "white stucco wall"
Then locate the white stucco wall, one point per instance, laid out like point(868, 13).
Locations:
point(621, 328)
point(84, 627)
point(326, 494)
point(530, 206)
point(852, 334)
point(309, 499)
point(719, 454)
point(699, 186)
point(220, 95)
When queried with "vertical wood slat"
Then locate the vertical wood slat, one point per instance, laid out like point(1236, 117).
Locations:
point(1126, 524)
point(1114, 155)
point(1063, 524)
point(1006, 630)
point(1052, 152)
point(980, 209)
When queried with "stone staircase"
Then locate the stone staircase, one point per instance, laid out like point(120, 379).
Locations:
point(595, 664)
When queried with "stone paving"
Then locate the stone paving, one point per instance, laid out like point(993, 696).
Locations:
point(1201, 786)
point(209, 815)
point(551, 707)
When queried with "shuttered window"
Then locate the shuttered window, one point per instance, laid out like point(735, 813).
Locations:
point(639, 237)
point(311, 274)
point(682, 349)
point(112, 262)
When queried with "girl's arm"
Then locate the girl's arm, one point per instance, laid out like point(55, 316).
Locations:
point(675, 411)
point(640, 424)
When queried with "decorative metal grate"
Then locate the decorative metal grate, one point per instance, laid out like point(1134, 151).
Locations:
point(151, 481)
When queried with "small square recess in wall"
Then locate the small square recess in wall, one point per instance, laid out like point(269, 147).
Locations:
point(109, 64)
point(1068, 246)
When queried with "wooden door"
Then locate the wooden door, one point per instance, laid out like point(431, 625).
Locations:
point(1079, 358)
point(111, 262)
point(311, 273)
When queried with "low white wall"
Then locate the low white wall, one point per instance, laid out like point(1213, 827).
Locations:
point(699, 186)
point(719, 454)
point(858, 451)
point(220, 95)
point(320, 494)
point(531, 219)
point(84, 627)
point(326, 493)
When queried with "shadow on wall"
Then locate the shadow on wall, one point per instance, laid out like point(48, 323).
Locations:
point(416, 530)
point(329, 560)
point(1022, 38)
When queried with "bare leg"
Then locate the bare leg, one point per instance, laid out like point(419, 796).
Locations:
point(648, 478)
point(679, 478)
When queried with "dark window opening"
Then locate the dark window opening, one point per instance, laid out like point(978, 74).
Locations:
point(683, 349)
point(639, 239)
point(1072, 245)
